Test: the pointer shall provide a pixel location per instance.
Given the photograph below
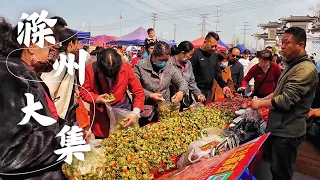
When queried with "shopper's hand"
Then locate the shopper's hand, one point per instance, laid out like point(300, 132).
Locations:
point(77, 94)
point(102, 99)
point(255, 104)
point(87, 134)
point(251, 88)
point(177, 97)
point(226, 90)
point(201, 98)
point(131, 119)
point(241, 89)
point(157, 97)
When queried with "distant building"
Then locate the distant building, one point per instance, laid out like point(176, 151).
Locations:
point(275, 30)
point(269, 37)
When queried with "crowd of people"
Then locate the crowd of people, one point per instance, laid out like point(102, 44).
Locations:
point(155, 74)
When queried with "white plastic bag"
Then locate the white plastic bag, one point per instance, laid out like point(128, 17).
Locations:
point(116, 114)
point(196, 150)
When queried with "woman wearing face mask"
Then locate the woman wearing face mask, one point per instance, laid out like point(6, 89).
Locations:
point(266, 74)
point(180, 59)
point(110, 75)
point(28, 147)
point(156, 74)
point(62, 87)
point(217, 92)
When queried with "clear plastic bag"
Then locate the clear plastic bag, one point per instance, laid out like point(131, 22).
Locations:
point(115, 115)
point(252, 115)
point(199, 149)
point(92, 167)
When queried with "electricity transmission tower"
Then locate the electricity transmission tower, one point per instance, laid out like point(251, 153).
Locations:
point(174, 31)
point(203, 24)
point(154, 18)
point(217, 19)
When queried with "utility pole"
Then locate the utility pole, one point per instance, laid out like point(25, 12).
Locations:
point(89, 32)
point(154, 18)
point(217, 20)
point(120, 22)
point(203, 24)
point(174, 31)
point(245, 29)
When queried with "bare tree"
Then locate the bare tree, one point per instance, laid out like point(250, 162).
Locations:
point(316, 10)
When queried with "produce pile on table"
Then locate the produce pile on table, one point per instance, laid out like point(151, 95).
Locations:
point(143, 153)
point(230, 105)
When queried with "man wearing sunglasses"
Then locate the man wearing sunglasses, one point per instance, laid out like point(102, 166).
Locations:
point(206, 67)
point(235, 66)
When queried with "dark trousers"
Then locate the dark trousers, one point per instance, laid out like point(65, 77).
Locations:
point(281, 153)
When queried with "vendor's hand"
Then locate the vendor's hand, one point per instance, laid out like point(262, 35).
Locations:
point(226, 90)
point(241, 89)
point(251, 88)
point(157, 97)
point(177, 97)
point(131, 119)
point(201, 98)
point(102, 100)
point(255, 104)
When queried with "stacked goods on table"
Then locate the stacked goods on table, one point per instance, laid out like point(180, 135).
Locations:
point(230, 105)
point(143, 153)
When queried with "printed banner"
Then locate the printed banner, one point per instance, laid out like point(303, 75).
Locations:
point(230, 165)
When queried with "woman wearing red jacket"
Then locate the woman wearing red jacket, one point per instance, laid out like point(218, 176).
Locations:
point(110, 75)
point(266, 74)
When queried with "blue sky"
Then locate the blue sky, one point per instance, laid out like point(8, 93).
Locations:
point(104, 15)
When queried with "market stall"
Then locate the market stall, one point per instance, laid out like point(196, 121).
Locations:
point(136, 37)
point(242, 48)
point(158, 150)
point(197, 43)
point(83, 37)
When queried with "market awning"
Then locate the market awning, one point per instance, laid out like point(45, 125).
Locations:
point(197, 43)
point(83, 36)
point(136, 37)
point(242, 48)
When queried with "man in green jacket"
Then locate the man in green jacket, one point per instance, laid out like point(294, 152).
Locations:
point(289, 104)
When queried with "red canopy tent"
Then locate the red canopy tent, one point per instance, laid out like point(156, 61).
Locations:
point(197, 43)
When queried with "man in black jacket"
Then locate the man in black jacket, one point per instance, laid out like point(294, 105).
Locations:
point(236, 67)
point(206, 68)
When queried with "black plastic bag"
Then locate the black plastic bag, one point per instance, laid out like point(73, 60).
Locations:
point(313, 131)
point(247, 130)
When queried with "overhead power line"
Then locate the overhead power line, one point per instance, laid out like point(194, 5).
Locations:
point(255, 5)
point(179, 14)
point(127, 4)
